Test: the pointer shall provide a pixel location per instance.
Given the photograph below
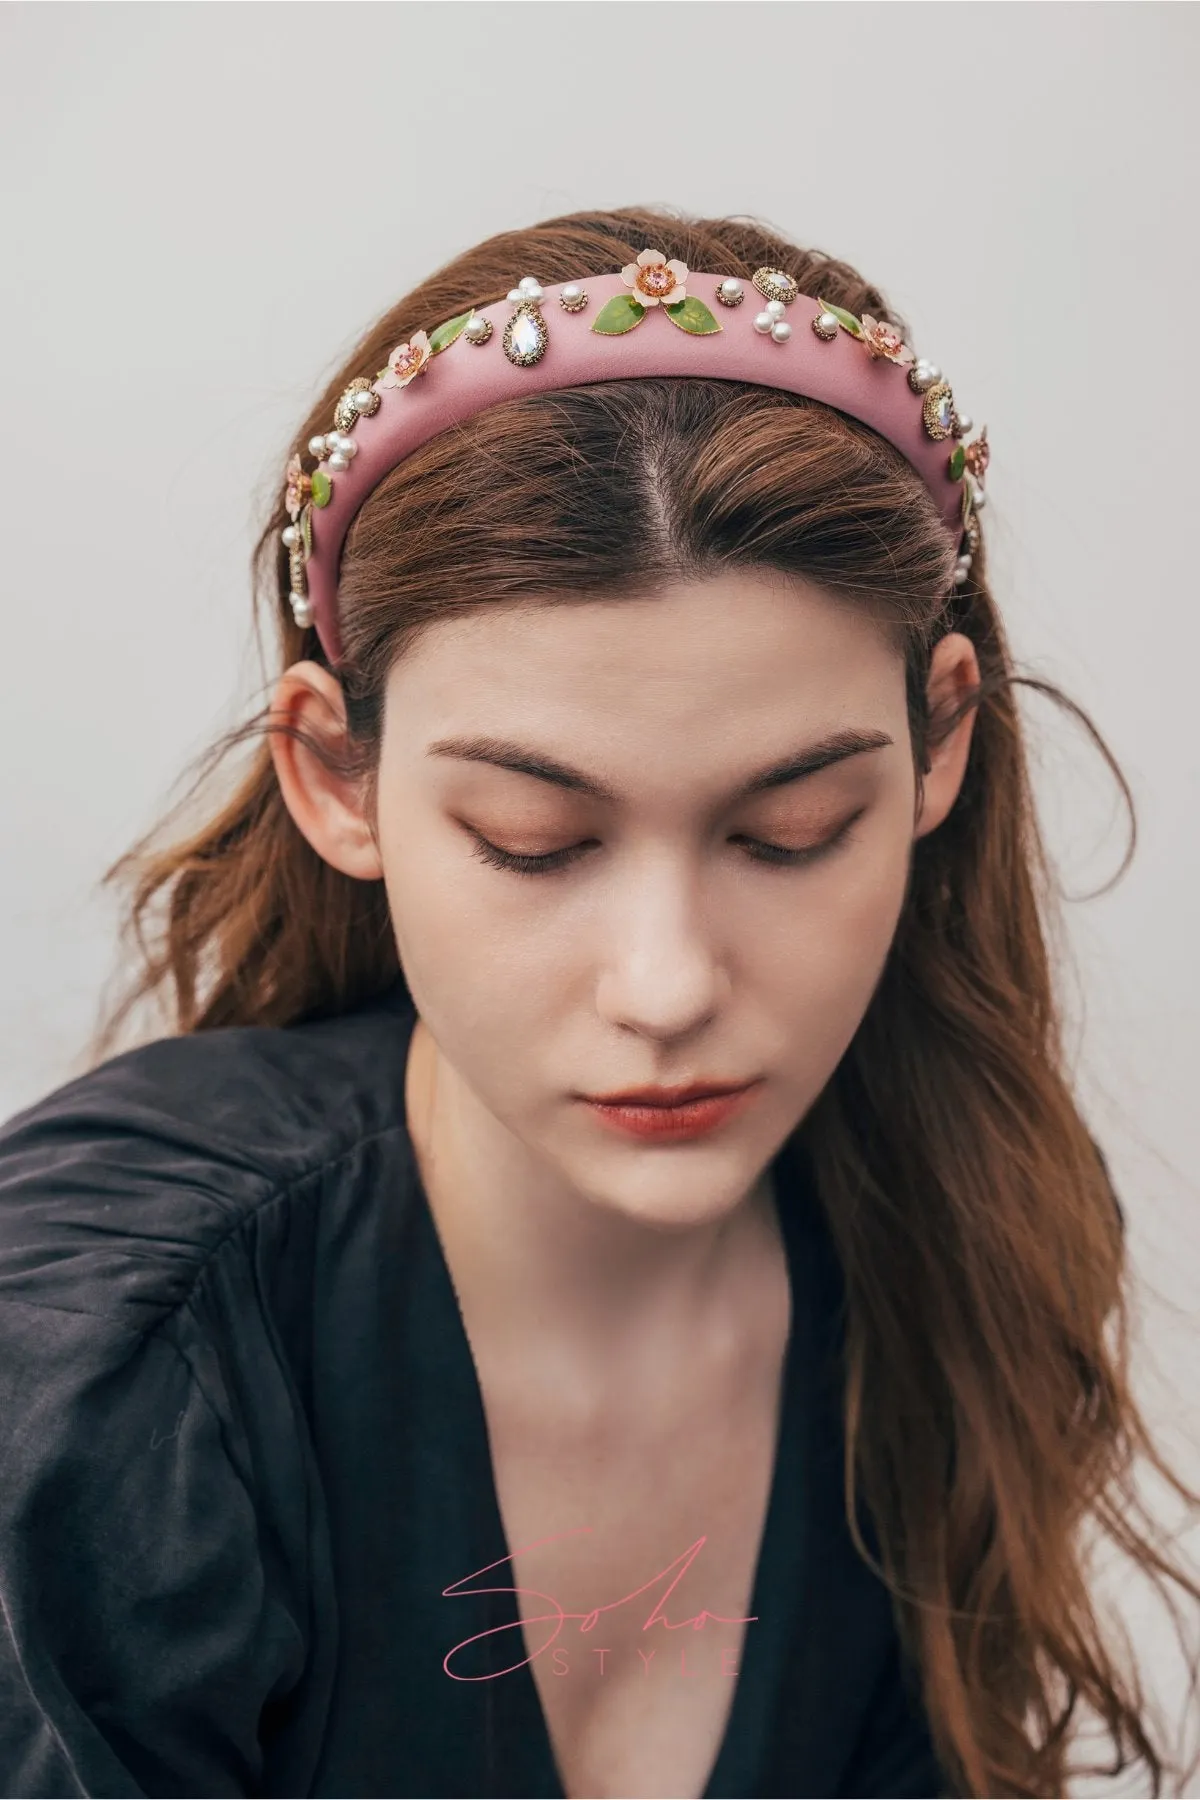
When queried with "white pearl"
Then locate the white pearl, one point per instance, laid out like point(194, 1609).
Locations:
point(571, 291)
point(475, 328)
point(316, 446)
point(301, 607)
point(289, 534)
point(978, 497)
point(960, 576)
point(363, 400)
point(531, 284)
point(763, 322)
point(965, 424)
point(776, 308)
point(515, 294)
point(731, 287)
point(781, 331)
point(932, 370)
point(828, 321)
point(346, 445)
point(337, 461)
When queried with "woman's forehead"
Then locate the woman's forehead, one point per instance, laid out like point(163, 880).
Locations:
point(743, 630)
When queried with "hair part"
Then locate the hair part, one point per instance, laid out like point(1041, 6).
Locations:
point(984, 1423)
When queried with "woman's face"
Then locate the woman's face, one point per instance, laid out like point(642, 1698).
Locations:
point(688, 927)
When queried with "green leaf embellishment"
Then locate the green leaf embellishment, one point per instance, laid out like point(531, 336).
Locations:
point(692, 315)
point(622, 313)
point(845, 319)
point(322, 488)
point(306, 529)
point(445, 334)
point(958, 462)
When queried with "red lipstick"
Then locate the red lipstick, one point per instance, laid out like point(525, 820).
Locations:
point(671, 1114)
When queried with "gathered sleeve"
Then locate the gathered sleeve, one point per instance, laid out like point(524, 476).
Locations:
point(144, 1623)
point(138, 1641)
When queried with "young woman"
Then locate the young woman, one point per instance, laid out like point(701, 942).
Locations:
point(411, 1386)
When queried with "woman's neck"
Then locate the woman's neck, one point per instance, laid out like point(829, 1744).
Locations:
point(550, 1280)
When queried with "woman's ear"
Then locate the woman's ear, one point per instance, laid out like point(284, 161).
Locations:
point(953, 673)
point(328, 809)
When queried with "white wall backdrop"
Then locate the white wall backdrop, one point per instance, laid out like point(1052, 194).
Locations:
point(203, 204)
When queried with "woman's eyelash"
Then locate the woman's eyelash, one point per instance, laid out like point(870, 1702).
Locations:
point(773, 854)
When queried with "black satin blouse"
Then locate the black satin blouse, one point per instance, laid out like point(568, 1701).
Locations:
point(243, 1455)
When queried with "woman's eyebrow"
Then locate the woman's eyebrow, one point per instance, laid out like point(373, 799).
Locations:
point(505, 753)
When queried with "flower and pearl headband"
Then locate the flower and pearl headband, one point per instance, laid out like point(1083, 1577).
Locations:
point(649, 318)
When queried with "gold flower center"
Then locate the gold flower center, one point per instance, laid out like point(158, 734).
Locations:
point(657, 279)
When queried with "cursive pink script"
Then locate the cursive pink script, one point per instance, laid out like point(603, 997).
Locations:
point(588, 1620)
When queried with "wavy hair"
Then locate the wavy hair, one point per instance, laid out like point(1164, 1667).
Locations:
point(986, 1426)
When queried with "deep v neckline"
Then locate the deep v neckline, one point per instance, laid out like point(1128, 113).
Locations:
point(516, 1728)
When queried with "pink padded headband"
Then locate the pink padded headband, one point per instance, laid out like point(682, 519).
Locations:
point(650, 318)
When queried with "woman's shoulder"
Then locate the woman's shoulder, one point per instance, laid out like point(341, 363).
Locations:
point(119, 1185)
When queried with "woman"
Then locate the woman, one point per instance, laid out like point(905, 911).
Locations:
point(399, 1398)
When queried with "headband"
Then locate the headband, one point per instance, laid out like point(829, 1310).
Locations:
point(647, 319)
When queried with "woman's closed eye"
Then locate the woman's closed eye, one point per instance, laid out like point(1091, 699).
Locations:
point(758, 851)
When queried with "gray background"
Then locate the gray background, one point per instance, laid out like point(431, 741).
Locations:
point(203, 205)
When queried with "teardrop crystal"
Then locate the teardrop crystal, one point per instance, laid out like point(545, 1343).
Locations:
point(525, 338)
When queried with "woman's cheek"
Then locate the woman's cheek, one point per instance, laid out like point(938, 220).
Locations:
point(845, 927)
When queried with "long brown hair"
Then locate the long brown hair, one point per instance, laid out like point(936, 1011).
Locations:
point(986, 1425)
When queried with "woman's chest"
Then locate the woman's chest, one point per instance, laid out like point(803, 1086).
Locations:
point(634, 1563)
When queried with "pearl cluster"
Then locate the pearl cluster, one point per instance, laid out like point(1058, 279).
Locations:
point(778, 289)
point(771, 322)
point(337, 447)
point(528, 292)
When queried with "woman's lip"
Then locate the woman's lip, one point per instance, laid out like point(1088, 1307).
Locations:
point(685, 1119)
point(680, 1096)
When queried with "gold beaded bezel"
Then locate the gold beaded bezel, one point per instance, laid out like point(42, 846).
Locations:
point(773, 284)
point(479, 337)
point(729, 299)
point(345, 413)
point(826, 333)
point(296, 566)
point(575, 305)
point(941, 390)
point(526, 359)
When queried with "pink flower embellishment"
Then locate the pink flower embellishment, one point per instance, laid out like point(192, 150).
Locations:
point(978, 455)
point(299, 487)
point(655, 280)
point(882, 340)
point(406, 361)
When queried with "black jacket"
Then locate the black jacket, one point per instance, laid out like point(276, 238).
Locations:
point(243, 1453)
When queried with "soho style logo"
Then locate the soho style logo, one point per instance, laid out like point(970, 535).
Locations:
point(588, 1621)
